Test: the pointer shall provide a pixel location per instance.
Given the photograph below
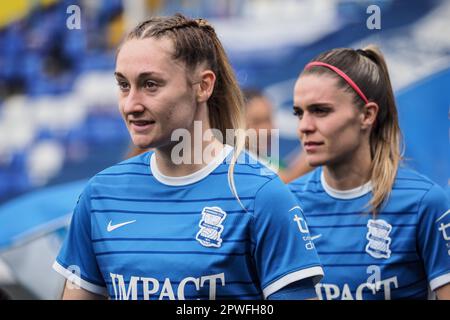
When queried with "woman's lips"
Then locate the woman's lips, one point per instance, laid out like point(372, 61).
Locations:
point(140, 126)
point(311, 146)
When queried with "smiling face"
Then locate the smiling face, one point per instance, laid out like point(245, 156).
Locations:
point(155, 96)
point(330, 124)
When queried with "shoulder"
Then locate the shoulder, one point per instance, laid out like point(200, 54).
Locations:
point(253, 179)
point(419, 184)
point(435, 198)
point(251, 171)
point(426, 192)
point(407, 177)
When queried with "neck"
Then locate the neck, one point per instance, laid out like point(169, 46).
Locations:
point(350, 172)
point(189, 163)
point(192, 153)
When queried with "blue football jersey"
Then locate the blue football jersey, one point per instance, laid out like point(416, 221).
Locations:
point(137, 234)
point(398, 254)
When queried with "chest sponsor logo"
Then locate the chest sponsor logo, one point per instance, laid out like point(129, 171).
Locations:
point(148, 288)
point(378, 245)
point(331, 291)
point(211, 227)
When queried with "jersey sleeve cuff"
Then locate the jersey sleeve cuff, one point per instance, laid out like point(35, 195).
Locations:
point(439, 281)
point(316, 272)
point(77, 280)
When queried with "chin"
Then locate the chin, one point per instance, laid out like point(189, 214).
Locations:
point(142, 143)
point(315, 161)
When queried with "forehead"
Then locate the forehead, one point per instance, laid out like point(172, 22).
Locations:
point(313, 88)
point(147, 55)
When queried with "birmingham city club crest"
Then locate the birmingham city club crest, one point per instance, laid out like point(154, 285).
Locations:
point(378, 239)
point(211, 227)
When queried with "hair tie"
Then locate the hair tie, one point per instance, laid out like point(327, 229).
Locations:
point(362, 52)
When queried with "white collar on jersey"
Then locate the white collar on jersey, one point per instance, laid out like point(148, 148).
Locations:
point(345, 194)
point(193, 177)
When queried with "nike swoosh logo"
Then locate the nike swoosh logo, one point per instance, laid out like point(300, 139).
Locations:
point(114, 227)
point(316, 237)
point(443, 216)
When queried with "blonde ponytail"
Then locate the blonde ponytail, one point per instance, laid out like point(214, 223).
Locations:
point(385, 137)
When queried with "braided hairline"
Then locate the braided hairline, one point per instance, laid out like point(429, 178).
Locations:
point(204, 24)
point(145, 29)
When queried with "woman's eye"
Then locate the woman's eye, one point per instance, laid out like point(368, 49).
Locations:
point(123, 85)
point(320, 111)
point(149, 84)
point(297, 113)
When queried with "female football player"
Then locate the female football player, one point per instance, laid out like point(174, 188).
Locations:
point(381, 230)
point(177, 223)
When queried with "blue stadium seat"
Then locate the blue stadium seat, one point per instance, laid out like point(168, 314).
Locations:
point(96, 61)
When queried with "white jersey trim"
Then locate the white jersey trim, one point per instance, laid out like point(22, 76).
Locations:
point(440, 281)
point(193, 177)
point(345, 194)
point(316, 272)
point(83, 283)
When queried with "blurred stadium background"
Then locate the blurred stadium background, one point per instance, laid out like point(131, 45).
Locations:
point(59, 122)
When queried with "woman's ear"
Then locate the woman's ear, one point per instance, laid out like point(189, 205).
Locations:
point(369, 115)
point(206, 85)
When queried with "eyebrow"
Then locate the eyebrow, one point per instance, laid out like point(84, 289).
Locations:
point(315, 105)
point(140, 76)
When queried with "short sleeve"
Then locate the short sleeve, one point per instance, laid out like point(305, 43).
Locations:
point(434, 236)
point(283, 250)
point(76, 260)
point(299, 290)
